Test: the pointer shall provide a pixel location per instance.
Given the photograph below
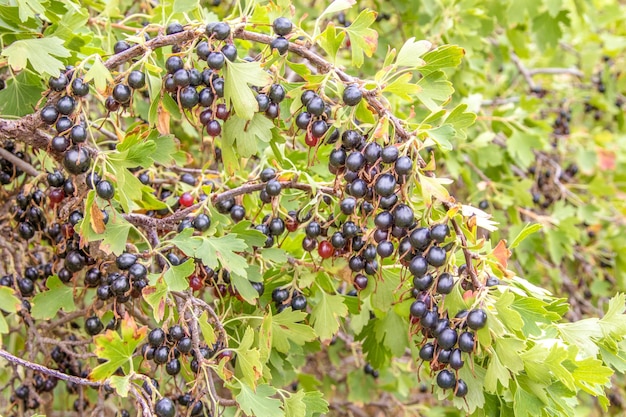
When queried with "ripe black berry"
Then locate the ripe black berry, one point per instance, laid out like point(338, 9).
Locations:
point(263, 101)
point(49, 114)
point(26, 286)
point(173, 64)
point(188, 97)
point(173, 28)
point(385, 185)
point(389, 154)
point(79, 87)
point(93, 326)
point(219, 31)
point(447, 338)
point(422, 282)
point(273, 187)
point(445, 283)
point(74, 261)
point(427, 352)
point(120, 46)
point(439, 232)
point(121, 93)
point(476, 319)
point(315, 106)
point(125, 261)
point(216, 60)
point(277, 93)
point(456, 359)
point(202, 222)
point(418, 266)
point(298, 302)
point(347, 205)
point(267, 174)
point(58, 83)
point(403, 215)
point(136, 79)
point(282, 26)
point(279, 295)
point(436, 256)
point(337, 157)
point(78, 134)
point(65, 105)
point(105, 189)
point(403, 165)
point(76, 161)
point(64, 124)
point(461, 388)
point(418, 308)
point(371, 152)
point(352, 95)
point(173, 367)
point(156, 337)
point(280, 44)
point(230, 52)
point(164, 407)
point(446, 379)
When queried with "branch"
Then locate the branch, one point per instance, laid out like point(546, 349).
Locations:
point(20, 163)
point(523, 70)
point(556, 71)
point(47, 371)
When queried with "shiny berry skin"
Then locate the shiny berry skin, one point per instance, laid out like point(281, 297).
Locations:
point(93, 326)
point(195, 283)
point(49, 114)
point(310, 140)
point(277, 93)
point(105, 190)
point(282, 26)
point(347, 205)
point(352, 95)
point(403, 165)
point(237, 213)
point(461, 389)
point(173, 64)
point(325, 249)
point(58, 83)
point(122, 93)
point(423, 282)
point(65, 105)
point(26, 286)
point(446, 379)
point(79, 87)
point(213, 128)
point(219, 31)
point(389, 154)
point(136, 79)
point(120, 46)
point(298, 302)
point(56, 196)
point(202, 222)
point(418, 266)
point(385, 185)
point(267, 174)
point(186, 200)
point(188, 97)
point(360, 282)
point(230, 52)
point(445, 283)
point(222, 112)
point(280, 44)
point(125, 261)
point(276, 227)
point(427, 352)
point(420, 238)
point(418, 309)
point(447, 338)
point(316, 106)
point(456, 359)
point(173, 28)
point(76, 161)
point(279, 295)
point(439, 232)
point(308, 244)
point(111, 104)
point(385, 249)
point(403, 215)
point(64, 124)
point(436, 256)
point(216, 60)
point(273, 188)
point(263, 101)
point(337, 157)
point(78, 134)
point(173, 367)
point(156, 337)
point(165, 408)
point(476, 319)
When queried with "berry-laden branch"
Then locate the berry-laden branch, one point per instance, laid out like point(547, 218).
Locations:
point(50, 372)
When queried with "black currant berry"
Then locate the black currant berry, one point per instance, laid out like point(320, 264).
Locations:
point(64, 124)
point(65, 105)
point(93, 326)
point(202, 222)
point(418, 309)
point(298, 302)
point(461, 389)
point(79, 87)
point(230, 52)
point(427, 352)
point(385, 185)
point(263, 101)
point(389, 154)
point(447, 338)
point(446, 379)
point(445, 283)
point(58, 83)
point(120, 46)
point(173, 64)
point(456, 359)
point(403, 215)
point(121, 93)
point(173, 28)
point(282, 26)
point(423, 282)
point(347, 205)
point(105, 190)
point(136, 79)
point(280, 44)
point(219, 31)
point(216, 60)
point(436, 256)
point(164, 407)
point(156, 337)
point(352, 95)
point(420, 238)
point(439, 232)
point(476, 319)
point(49, 114)
point(315, 106)
point(418, 266)
point(76, 161)
point(277, 93)
point(78, 134)
point(273, 187)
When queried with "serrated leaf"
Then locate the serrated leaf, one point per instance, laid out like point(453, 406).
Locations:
point(411, 52)
point(238, 77)
point(446, 56)
point(401, 87)
point(156, 297)
point(326, 313)
point(39, 52)
point(248, 367)
point(99, 74)
point(121, 384)
point(315, 403)
point(21, 95)
point(244, 133)
point(331, 41)
point(115, 235)
point(47, 304)
point(29, 9)
point(363, 39)
point(117, 349)
point(294, 405)
point(259, 403)
point(176, 275)
point(166, 148)
point(509, 317)
point(288, 326)
point(496, 372)
point(335, 7)
point(435, 90)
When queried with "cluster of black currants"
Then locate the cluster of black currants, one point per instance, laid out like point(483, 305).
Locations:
point(283, 299)
point(122, 93)
point(28, 212)
point(27, 282)
point(445, 342)
point(8, 171)
point(166, 348)
point(124, 284)
point(70, 131)
point(165, 407)
point(561, 123)
point(24, 392)
point(282, 27)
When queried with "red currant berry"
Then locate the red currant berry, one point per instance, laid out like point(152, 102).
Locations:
point(195, 283)
point(186, 200)
point(310, 140)
point(325, 249)
point(56, 196)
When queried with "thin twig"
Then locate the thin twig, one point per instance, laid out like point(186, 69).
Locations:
point(523, 70)
point(20, 163)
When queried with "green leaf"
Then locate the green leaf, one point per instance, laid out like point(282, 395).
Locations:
point(315, 403)
point(326, 313)
point(547, 29)
point(411, 52)
point(117, 349)
point(208, 334)
point(238, 76)
point(391, 331)
point(244, 133)
point(115, 235)
point(156, 297)
point(432, 187)
point(526, 404)
point(184, 6)
point(287, 327)
point(21, 95)
point(99, 74)
point(521, 146)
point(446, 56)
point(29, 9)
point(331, 41)
point(121, 384)
point(48, 303)
point(166, 148)
point(294, 405)
point(528, 230)
point(8, 301)
point(435, 90)
point(259, 403)
point(509, 317)
point(496, 372)
point(248, 368)
point(39, 52)
point(401, 87)
point(176, 275)
point(363, 39)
